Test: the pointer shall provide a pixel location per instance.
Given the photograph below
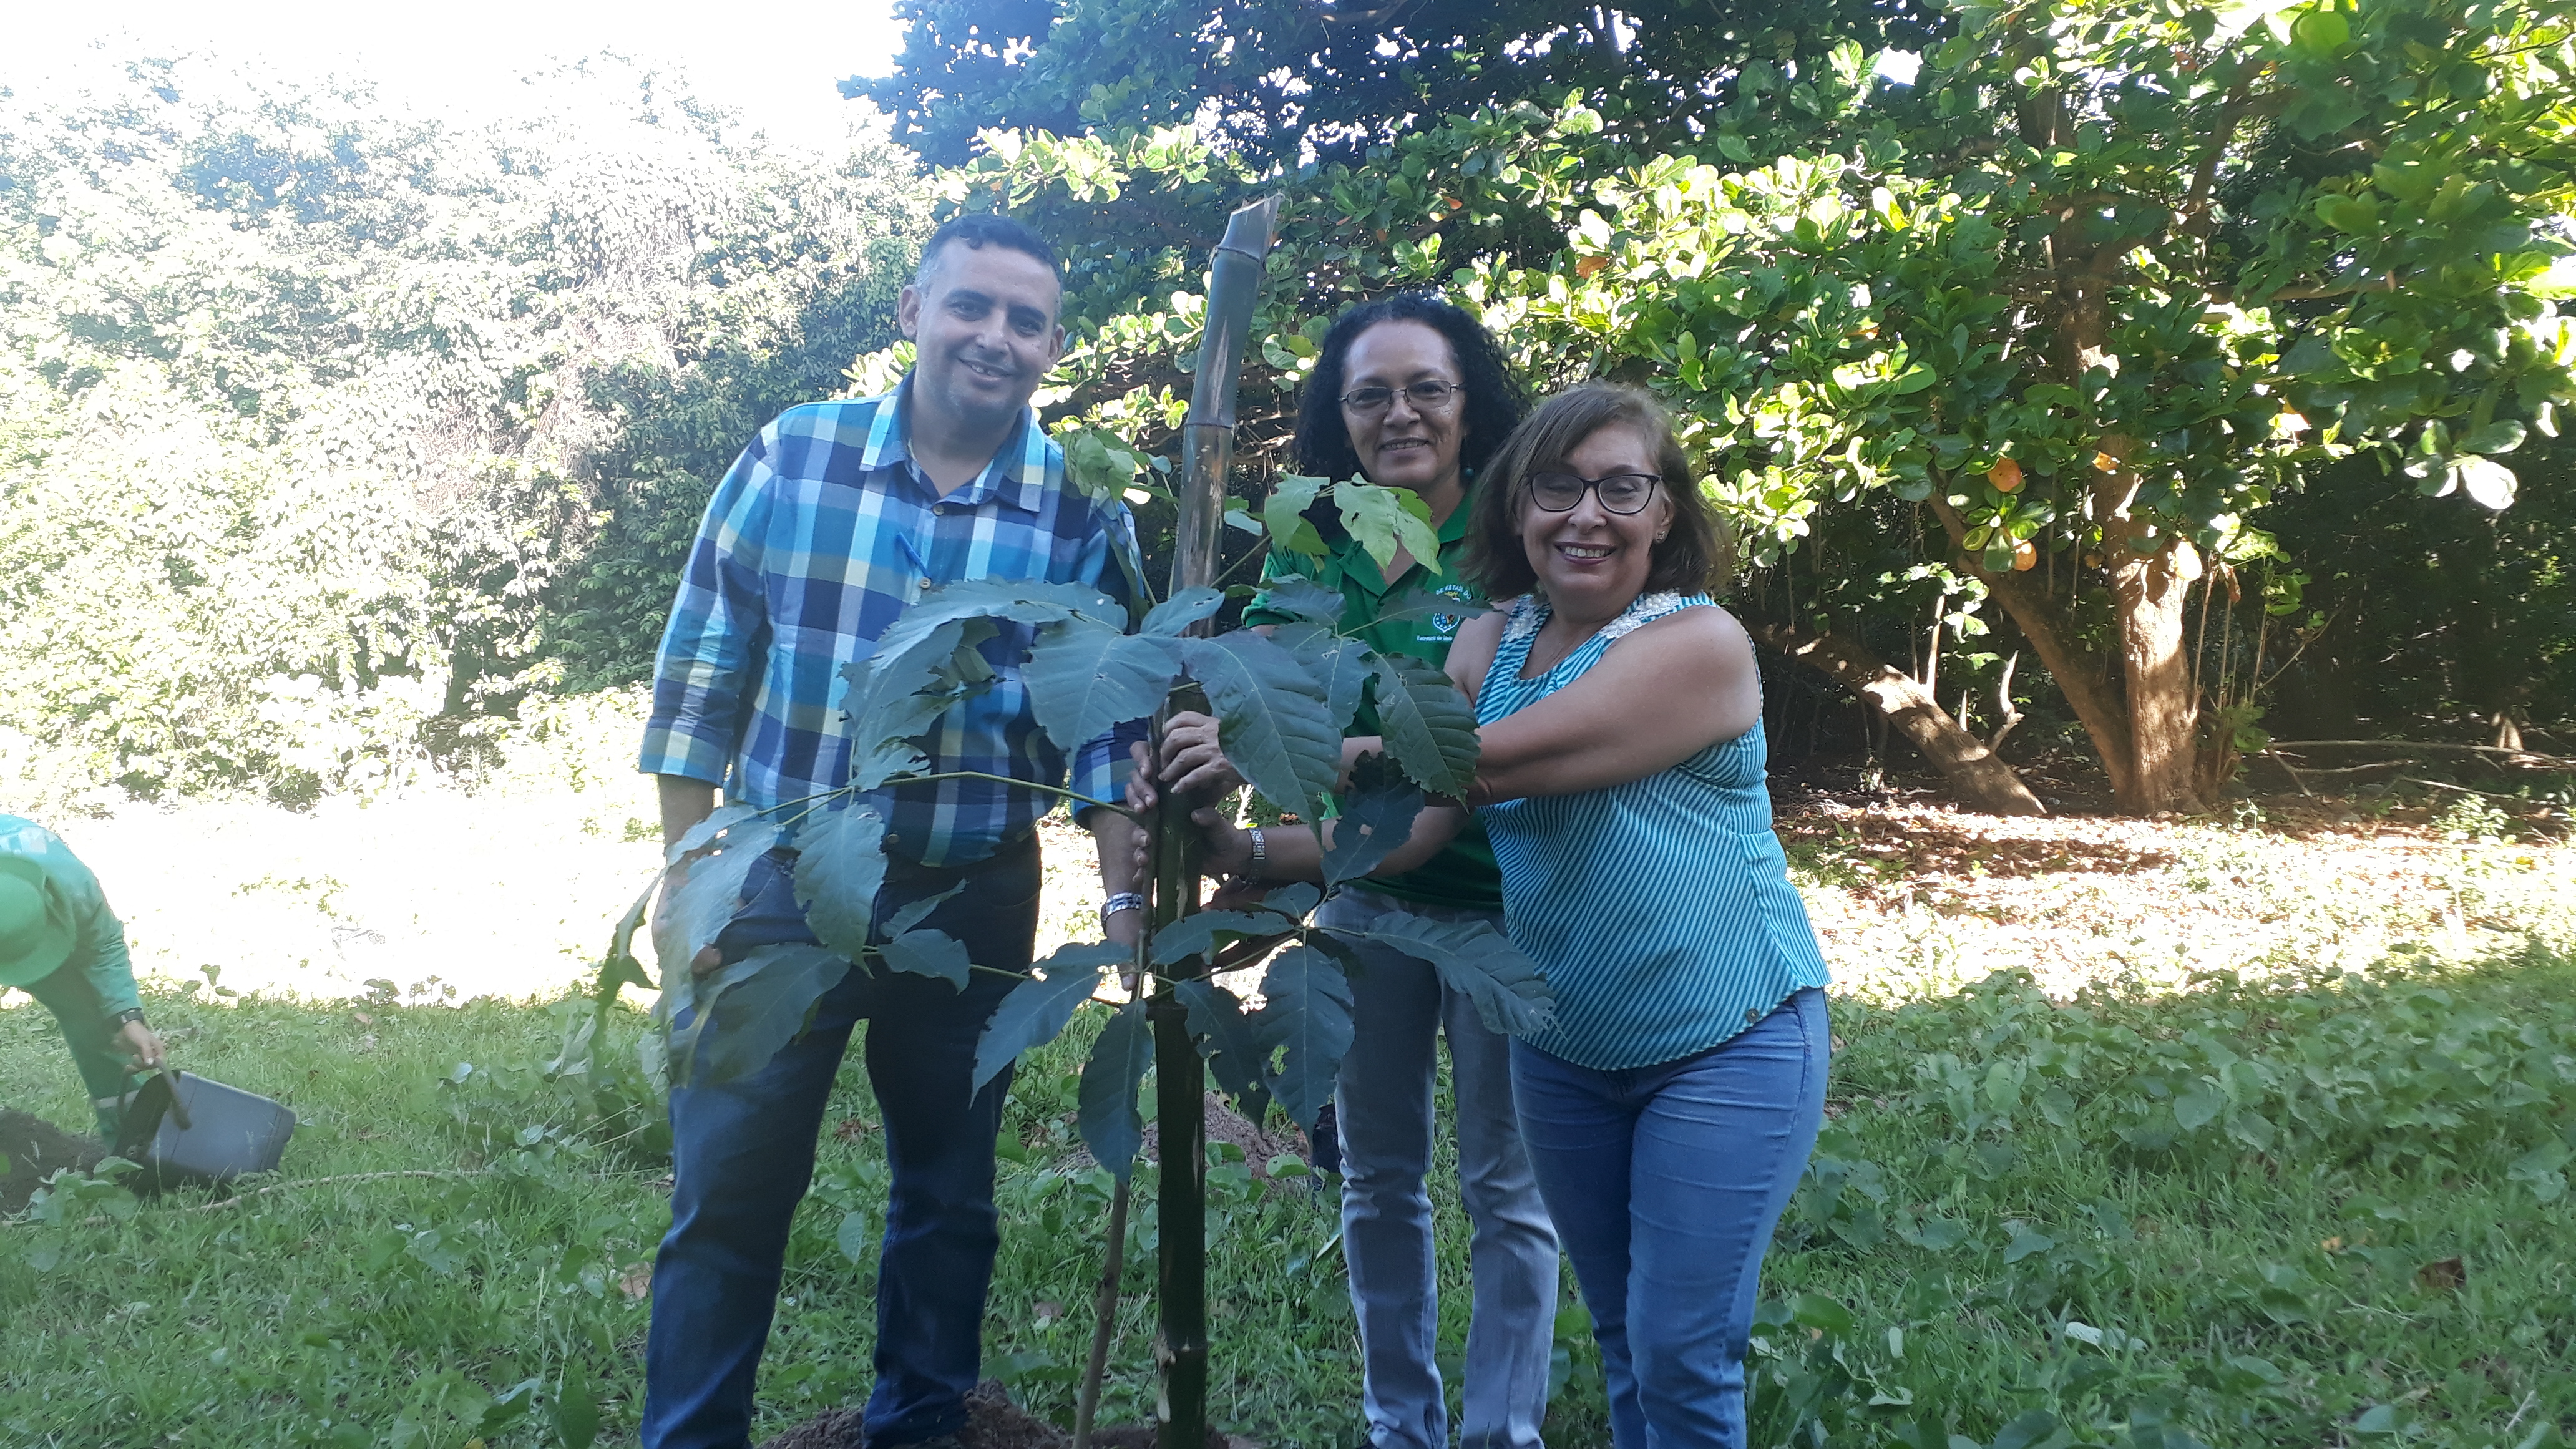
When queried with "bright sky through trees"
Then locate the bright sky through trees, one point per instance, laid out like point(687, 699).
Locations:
point(776, 65)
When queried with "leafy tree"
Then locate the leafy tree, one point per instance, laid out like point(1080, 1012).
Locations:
point(327, 432)
point(2413, 615)
point(2099, 289)
point(1284, 81)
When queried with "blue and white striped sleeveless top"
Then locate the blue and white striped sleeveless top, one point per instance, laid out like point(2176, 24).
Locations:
point(1661, 909)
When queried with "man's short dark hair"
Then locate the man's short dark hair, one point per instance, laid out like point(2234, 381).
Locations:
point(980, 229)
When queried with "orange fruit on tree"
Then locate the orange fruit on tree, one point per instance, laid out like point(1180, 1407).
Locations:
point(1586, 266)
point(2005, 475)
point(2025, 556)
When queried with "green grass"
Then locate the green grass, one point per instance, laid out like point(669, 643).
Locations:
point(2220, 1218)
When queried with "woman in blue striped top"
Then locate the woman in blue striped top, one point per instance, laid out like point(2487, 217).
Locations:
point(1670, 1107)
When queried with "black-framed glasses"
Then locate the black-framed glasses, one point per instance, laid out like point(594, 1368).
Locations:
point(1621, 493)
point(1427, 396)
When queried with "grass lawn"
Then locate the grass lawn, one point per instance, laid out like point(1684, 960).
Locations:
point(2284, 1208)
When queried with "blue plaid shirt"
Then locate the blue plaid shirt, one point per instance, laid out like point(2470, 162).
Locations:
point(820, 535)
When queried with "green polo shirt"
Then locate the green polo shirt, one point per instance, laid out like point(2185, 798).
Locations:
point(1464, 874)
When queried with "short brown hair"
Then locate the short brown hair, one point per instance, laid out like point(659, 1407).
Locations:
point(1684, 562)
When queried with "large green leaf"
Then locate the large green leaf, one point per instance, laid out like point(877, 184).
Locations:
point(1303, 598)
point(619, 968)
point(1341, 664)
point(1272, 718)
point(1083, 679)
point(760, 1011)
point(929, 953)
point(1038, 1008)
point(1108, 1120)
point(1377, 815)
point(709, 892)
point(695, 838)
point(1381, 519)
point(1231, 1042)
point(897, 693)
point(907, 917)
point(1414, 601)
point(1294, 899)
point(840, 864)
point(1196, 934)
point(1306, 1015)
point(1022, 601)
point(1474, 960)
point(1283, 514)
point(1174, 616)
point(696, 997)
point(1428, 725)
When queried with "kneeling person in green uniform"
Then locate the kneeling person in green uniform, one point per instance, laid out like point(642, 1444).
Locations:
point(60, 944)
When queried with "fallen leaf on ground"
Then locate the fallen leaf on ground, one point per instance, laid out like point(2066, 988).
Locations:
point(2445, 1276)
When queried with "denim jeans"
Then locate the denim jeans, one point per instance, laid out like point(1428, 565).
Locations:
point(743, 1155)
point(1665, 1182)
point(1399, 1009)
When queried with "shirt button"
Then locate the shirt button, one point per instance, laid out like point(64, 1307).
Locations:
point(1751, 1015)
point(894, 840)
point(941, 509)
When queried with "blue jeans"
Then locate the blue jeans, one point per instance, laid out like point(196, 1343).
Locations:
point(1399, 1010)
point(1665, 1183)
point(743, 1154)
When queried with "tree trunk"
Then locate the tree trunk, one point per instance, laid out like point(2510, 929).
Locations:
point(2081, 675)
point(1976, 775)
point(2148, 591)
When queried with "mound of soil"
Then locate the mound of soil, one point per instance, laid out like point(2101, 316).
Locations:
point(993, 1422)
point(36, 1149)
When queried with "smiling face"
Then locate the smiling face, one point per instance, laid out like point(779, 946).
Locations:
point(1405, 445)
point(1593, 562)
point(984, 326)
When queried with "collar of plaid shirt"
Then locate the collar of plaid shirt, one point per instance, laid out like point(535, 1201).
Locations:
point(814, 542)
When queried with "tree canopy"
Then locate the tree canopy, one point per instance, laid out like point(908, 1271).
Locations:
point(326, 431)
point(2094, 292)
point(1289, 81)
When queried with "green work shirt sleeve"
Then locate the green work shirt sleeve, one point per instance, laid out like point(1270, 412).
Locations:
point(111, 965)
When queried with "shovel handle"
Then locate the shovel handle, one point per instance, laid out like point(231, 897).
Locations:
point(178, 1109)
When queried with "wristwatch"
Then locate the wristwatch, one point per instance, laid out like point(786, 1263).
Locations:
point(1254, 869)
point(130, 1016)
point(1123, 901)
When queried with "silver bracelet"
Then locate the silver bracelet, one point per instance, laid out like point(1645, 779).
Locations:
point(1123, 901)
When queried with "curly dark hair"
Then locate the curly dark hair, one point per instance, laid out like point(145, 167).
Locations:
point(1685, 561)
point(1495, 399)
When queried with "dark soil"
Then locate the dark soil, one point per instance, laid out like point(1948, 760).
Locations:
point(36, 1149)
point(993, 1422)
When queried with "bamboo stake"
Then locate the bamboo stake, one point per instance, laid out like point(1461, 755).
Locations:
point(1180, 1075)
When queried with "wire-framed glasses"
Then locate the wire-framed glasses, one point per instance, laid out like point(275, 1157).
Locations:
point(1428, 395)
point(1621, 493)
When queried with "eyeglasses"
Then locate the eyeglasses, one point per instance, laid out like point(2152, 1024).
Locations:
point(1428, 395)
point(1621, 493)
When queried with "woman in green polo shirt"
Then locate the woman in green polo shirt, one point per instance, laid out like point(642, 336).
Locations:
point(1411, 392)
point(60, 944)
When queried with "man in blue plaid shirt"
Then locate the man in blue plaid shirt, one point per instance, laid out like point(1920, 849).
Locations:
point(837, 517)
